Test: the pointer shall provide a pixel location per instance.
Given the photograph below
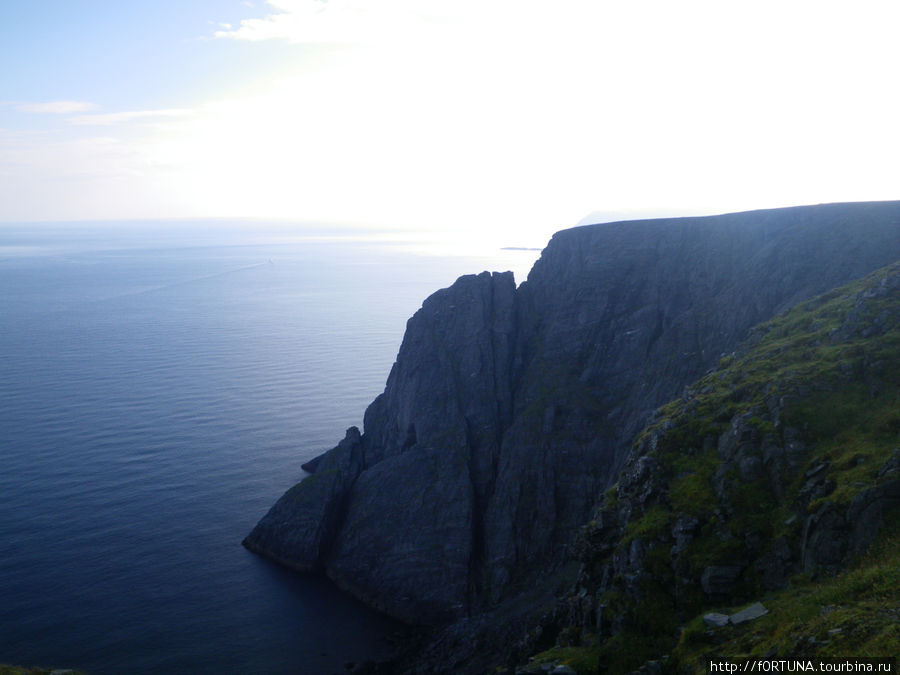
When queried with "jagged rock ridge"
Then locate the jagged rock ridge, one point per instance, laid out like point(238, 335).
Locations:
point(509, 410)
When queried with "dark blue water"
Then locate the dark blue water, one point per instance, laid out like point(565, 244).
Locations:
point(160, 386)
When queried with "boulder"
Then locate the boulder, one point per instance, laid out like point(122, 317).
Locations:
point(715, 620)
point(750, 613)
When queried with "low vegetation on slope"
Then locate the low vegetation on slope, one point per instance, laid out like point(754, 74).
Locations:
point(775, 478)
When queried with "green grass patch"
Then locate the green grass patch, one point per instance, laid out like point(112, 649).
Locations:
point(656, 521)
point(691, 490)
point(856, 613)
point(582, 659)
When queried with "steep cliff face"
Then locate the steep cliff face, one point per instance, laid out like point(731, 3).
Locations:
point(509, 410)
point(391, 515)
point(780, 467)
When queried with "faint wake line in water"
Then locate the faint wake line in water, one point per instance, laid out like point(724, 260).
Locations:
point(183, 282)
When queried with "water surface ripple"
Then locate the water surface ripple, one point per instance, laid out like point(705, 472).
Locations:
point(155, 399)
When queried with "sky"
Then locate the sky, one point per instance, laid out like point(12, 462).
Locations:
point(498, 116)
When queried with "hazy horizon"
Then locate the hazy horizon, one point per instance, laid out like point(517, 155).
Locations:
point(491, 119)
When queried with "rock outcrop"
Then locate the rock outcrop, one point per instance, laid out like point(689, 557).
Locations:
point(508, 411)
point(781, 467)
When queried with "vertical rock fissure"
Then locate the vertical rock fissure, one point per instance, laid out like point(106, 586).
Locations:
point(476, 534)
point(340, 506)
point(479, 491)
point(337, 516)
point(657, 331)
point(476, 544)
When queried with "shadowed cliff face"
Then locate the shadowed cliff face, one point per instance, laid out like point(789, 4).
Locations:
point(431, 447)
point(767, 479)
point(508, 411)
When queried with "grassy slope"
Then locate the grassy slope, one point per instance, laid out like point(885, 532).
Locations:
point(828, 374)
point(856, 613)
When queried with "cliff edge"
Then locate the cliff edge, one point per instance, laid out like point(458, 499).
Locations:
point(510, 410)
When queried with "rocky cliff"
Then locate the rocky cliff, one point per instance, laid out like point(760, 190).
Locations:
point(766, 478)
point(510, 410)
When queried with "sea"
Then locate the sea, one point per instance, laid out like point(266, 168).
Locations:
point(160, 385)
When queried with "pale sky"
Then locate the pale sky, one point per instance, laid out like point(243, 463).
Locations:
point(500, 115)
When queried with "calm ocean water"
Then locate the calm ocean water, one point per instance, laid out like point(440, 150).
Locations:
point(160, 386)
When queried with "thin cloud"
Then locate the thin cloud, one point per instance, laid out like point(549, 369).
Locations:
point(56, 107)
point(109, 119)
point(334, 22)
